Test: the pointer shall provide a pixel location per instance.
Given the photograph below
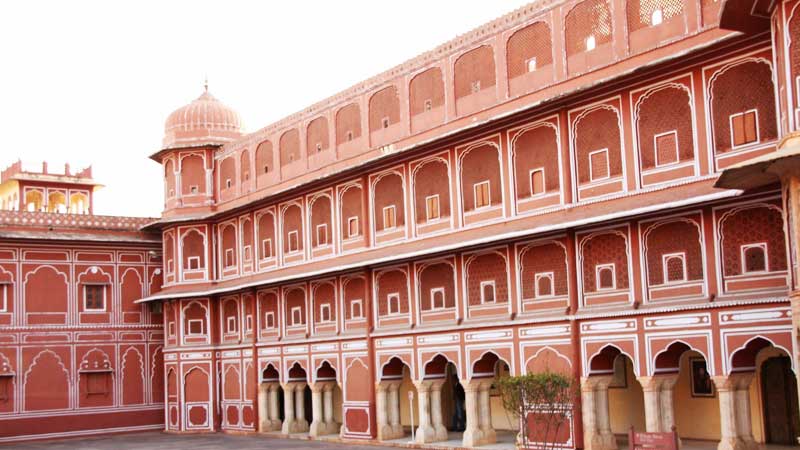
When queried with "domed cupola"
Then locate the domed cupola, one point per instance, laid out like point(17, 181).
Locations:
point(205, 121)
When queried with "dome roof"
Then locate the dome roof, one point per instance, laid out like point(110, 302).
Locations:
point(205, 121)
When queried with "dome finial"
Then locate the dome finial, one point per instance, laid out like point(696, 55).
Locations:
point(205, 84)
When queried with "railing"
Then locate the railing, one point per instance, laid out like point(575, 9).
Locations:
point(19, 167)
point(58, 220)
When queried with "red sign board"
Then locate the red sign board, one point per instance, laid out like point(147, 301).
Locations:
point(655, 441)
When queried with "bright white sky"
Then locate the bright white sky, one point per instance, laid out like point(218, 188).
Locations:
point(92, 82)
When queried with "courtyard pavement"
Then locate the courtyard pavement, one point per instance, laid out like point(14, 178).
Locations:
point(164, 441)
point(156, 440)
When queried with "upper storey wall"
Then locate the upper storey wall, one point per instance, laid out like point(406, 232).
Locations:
point(534, 48)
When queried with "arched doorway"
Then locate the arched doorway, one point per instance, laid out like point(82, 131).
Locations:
point(612, 398)
point(270, 400)
point(394, 410)
point(767, 375)
point(296, 401)
point(683, 394)
point(326, 402)
point(440, 401)
point(485, 414)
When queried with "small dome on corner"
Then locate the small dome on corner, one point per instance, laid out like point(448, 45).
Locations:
point(205, 121)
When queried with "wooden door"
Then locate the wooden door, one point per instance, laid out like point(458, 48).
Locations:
point(779, 399)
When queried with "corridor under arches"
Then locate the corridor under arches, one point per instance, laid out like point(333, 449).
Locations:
point(326, 402)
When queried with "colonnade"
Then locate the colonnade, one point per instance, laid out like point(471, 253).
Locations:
point(294, 408)
point(294, 411)
point(387, 410)
point(734, 407)
point(479, 429)
point(431, 427)
point(322, 408)
point(268, 408)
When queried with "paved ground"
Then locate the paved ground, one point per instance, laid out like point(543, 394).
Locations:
point(163, 441)
point(221, 441)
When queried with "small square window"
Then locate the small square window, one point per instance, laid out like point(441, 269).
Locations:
point(322, 234)
point(393, 303)
point(297, 315)
point(428, 105)
point(266, 169)
point(349, 136)
point(248, 253)
point(352, 227)
point(356, 310)
point(5, 388)
point(537, 182)
point(605, 277)
point(195, 327)
point(389, 218)
point(269, 319)
point(543, 285)
point(385, 122)
point(193, 189)
point(293, 243)
point(481, 191)
point(532, 65)
point(598, 165)
point(246, 175)
point(266, 248)
point(5, 294)
point(591, 43)
point(666, 148)
point(97, 382)
point(171, 328)
point(94, 297)
point(432, 207)
point(437, 298)
point(656, 18)
point(193, 263)
point(325, 312)
point(228, 183)
point(744, 128)
point(318, 147)
point(231, 324)
point(674, 267)
point(475, 86)
point(248, 323)
point(230, 261)
point(487, 292)
point(754, 258)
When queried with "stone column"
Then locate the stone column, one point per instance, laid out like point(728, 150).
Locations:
point(436, 410)
point(485, 412)
point(301, 424)
point(473, 436)
point(381, 415)
point(651, 387)
point(288, 408)
point(274, 413)
point(607, 439)
point(327, 408)
point(726, 388)
point(425, 432)
point(742, 405)
point(590, 433)
point(667, 401)
point(264, 423)
point(317, 427)
point(394, 410)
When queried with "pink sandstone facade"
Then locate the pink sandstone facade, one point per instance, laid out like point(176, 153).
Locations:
point(606, 188)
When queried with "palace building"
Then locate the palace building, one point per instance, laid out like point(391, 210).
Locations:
point(603, 188)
